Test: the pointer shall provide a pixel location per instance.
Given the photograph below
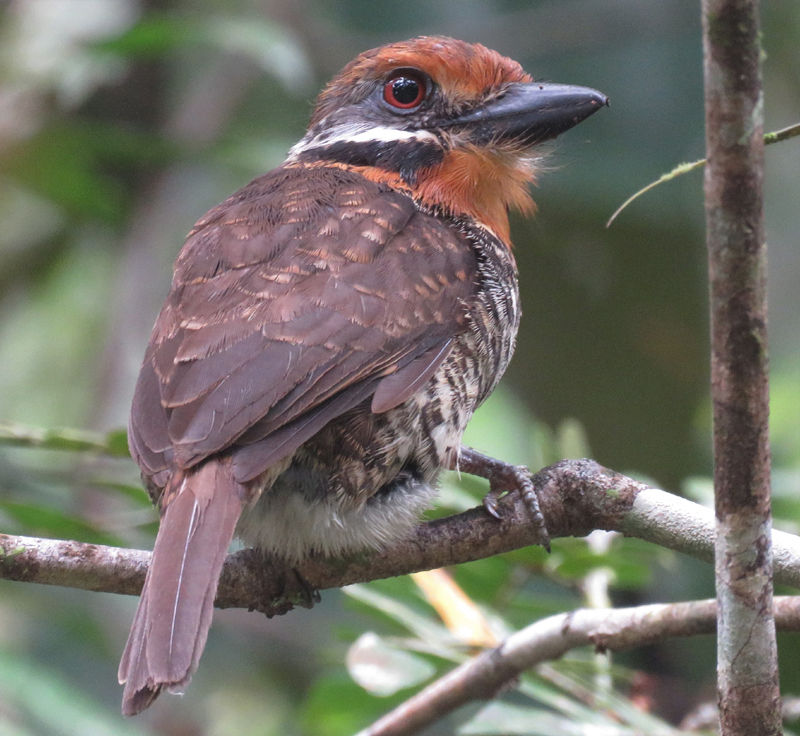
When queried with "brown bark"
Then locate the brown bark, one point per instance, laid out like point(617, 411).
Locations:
point(576, 497)
point(747, 653)
point(482, 677)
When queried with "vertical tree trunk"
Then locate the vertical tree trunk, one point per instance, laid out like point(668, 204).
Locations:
point(747, 655)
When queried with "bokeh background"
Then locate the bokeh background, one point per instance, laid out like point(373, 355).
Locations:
point(123, 121)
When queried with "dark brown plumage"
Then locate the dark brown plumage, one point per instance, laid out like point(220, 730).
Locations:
point(330, 330)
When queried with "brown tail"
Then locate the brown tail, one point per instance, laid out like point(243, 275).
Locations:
point(171, 624)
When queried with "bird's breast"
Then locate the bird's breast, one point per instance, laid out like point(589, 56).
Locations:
point(365, 478)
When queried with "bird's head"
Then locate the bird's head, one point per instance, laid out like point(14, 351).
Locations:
point(454, 124)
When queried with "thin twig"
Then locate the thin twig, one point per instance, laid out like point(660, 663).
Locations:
point(775, 137)
point(782, 135)
point(679, 170)
point(482, 677)
point(74, 440)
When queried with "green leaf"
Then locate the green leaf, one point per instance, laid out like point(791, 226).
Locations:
point(453, 496)
point(482, 579)
point(274, 48)
point(784, 389)
point(135, 494)
point(629, 561)
point(60, 163)
point(505, 719)
point(153, 36)
point(503, 428)
point(336, 706)
point(543, 692)
point(572, 440)
point(425, 628)
point(382, 669)
point(47, 522)
point(531, 557)
point(47, 704)
point(117, 443)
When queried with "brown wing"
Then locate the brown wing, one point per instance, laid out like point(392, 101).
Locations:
point(302, 295)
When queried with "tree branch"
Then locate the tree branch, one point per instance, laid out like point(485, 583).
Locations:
point(576, 497)
point(113, 443)
point(747, 656)
point(482, 677)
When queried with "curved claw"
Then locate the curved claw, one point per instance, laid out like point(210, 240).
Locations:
point(490, 502)
point(309, 595)
point(505, 478)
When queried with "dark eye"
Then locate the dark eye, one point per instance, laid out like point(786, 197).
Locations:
point(404, 90)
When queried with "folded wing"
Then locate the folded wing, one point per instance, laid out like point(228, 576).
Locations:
point(299, 297)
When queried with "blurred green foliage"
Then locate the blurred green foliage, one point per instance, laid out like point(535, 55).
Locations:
point(122, 121)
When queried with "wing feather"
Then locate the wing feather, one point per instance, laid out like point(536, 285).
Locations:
point(300, 296)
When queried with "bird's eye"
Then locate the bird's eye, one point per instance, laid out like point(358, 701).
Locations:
point(405, 90)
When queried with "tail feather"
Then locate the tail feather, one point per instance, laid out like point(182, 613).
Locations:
point(171, 624)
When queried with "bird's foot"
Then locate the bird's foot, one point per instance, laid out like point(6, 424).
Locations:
point(287, 588)
point(505, 478)
point(308, 595)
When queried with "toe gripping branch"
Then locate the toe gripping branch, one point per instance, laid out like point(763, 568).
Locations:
point(504, 478)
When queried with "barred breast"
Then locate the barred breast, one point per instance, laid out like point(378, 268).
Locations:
point(365, 478)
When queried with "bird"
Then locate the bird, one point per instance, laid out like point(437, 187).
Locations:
point(331, 328)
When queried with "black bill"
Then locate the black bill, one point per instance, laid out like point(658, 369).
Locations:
point(531, 113)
